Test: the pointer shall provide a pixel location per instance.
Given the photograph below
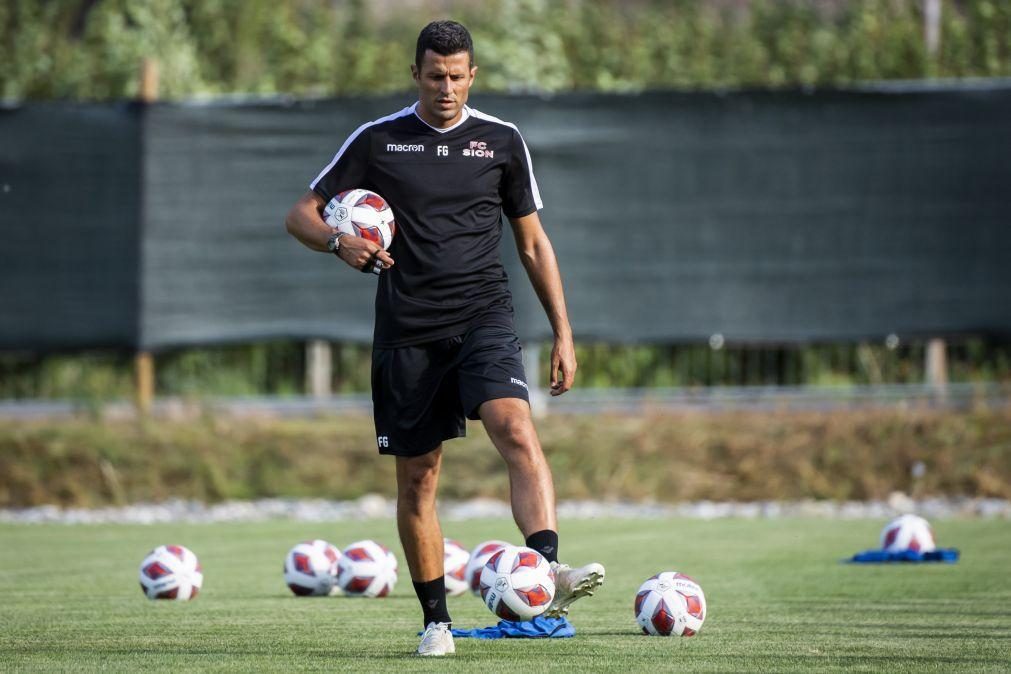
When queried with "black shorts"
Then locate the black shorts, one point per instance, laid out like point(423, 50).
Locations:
point(424, 394)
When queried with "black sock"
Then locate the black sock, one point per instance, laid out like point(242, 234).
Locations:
point(432, 595)
point(545, 542)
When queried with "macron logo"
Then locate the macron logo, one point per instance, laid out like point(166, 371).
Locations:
point(514, 380)
point(397, 147)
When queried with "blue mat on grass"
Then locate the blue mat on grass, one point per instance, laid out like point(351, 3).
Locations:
point(538, 628)
point(946, 555)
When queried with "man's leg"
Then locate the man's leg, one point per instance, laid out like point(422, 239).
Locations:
point(532, 494)
point(421, 537)
point(531, 490)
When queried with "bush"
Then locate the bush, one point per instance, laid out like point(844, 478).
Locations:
point(91, 49)
point(648, 457)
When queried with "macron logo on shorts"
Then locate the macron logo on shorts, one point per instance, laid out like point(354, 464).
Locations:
point(514, 380)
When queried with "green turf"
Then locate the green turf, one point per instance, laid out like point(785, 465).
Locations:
point(779, 599)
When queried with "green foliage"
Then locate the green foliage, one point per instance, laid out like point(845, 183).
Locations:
point(277, 368)
point(92, 49)
point(617, 365)
point(270, 368)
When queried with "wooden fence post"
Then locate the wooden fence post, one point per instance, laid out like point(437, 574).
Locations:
point(143, 368)
point(143, 362)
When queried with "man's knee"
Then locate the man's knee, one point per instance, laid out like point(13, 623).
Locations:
point(418, 477)
point(516, 440)
point(508, 421)
point(516, 433)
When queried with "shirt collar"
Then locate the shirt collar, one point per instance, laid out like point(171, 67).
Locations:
point(463, 118)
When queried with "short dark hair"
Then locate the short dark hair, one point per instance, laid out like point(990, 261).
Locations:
point(444, 38)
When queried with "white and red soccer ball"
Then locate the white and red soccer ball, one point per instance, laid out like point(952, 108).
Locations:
point(171, 572)
point(367, 569)
point(362, 213)
point(310, 568)
point(455, 567)
point(517, 583)
point(479, 556)
point(670, 604)
point(908, 532)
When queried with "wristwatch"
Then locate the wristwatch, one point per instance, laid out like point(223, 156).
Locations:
point(333, 244)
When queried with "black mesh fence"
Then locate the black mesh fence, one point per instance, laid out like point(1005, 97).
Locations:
point(763, 217)
point(70, 195)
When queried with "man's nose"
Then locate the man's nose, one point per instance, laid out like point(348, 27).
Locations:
point(445, 85)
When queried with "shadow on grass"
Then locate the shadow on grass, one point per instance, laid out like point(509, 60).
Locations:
point(396, 599)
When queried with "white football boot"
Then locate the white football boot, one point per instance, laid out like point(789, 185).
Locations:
point(437, 640)
point(572, 584)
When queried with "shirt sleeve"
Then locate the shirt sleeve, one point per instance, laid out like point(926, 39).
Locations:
point(519, 192)
point(348, 168)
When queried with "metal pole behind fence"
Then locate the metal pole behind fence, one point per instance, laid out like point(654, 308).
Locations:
point(318, 368)
point(932, 26)
point(937, 366)
point(532, 367)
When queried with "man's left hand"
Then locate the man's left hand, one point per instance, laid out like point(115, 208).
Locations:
point(563, 365)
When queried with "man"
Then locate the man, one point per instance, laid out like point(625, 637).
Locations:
point(444, 345)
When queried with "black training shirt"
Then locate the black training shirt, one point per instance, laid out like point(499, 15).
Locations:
point(448, 191)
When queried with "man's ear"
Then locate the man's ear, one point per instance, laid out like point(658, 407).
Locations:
point(414, 72)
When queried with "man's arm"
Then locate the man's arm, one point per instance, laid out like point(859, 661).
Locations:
point(539, 260)
point(305, 222)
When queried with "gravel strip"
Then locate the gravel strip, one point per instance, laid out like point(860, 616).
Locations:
point(379, 507)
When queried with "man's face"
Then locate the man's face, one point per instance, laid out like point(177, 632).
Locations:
point(443, 84)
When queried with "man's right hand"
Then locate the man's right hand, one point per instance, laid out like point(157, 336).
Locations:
point(358, 252)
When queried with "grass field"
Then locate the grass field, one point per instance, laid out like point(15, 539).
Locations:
point(779, 600)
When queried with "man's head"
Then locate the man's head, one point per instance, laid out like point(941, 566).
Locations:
point(443, 70)
point(445, 38)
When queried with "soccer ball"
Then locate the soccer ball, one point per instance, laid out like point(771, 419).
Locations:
point(517, 583)
point(455, 567)
point(479, 556)
point(310, 568)
point(171, 572)
point(367, 569)
point(908, 532)
point(362, 213)
point(670, 603)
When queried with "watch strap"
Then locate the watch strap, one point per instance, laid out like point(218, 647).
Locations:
point(333, 244)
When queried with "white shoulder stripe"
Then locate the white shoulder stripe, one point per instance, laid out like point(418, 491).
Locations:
point(409, 110)
point(530, 165)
